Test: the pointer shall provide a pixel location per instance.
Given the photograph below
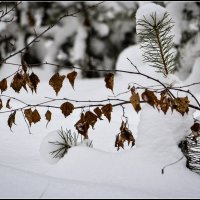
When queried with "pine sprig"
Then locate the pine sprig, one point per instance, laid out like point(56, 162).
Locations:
point(157, 42)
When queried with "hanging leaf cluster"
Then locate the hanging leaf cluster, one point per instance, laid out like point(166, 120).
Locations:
point(89, 119)
point(124, 135)
point(166, 101)
point(22, 79)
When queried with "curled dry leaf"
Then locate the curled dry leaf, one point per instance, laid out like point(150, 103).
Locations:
point(11, 119)
point(3, 85)
point(28, 115)
point(98, 112)
point(82, 126)
point(124, 135)
point(1, 104)
point(71, 77)
point(106, 110)
point(90, 118)
point(135, 101)
point(164, 102)
point(48, 116)
point(34, 82)
point(56, 82)
point(150, 98)
point(67, 108)
point(8, 104)
point(109, 79)
point(181, 105)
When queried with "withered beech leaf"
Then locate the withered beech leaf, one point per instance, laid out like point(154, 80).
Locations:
point(181, 105)
point(98, 112)
point(34, 81)
point(119, 142)
point(11, 119)
point(67, 108)
point(106, 110)
point(28, 115)
point(150, 98)
point(135, 101)
point(71, 77)
point(48, 116)
point(18, 82)
point(35, 116)
point(28, 81)
point(3, 85)
point(164, 102)
point(109, 79)
point(82, 126)
point(90, 118)
point(8, 104)
point(1, 104)
point(56, 82)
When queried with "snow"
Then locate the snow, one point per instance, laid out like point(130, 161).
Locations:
point(101, 171)
point(146, 11)
point(47, 146)
point(194, 76)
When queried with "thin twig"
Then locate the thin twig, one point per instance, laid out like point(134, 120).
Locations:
point(163, 169)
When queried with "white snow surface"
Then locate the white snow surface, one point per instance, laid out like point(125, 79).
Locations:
point(146, 11)
point(101, 171)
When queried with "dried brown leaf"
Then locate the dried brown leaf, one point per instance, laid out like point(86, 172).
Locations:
point(34, 82)
point(48, 116)
point(90, 118)
point(181, 105)
point(119, 142)
point(106, 110)
point(11, 119)
point(109, 79)
point(3, 85)
point(98, 112)
point(28, 115)
point(135, 101)
point(56, 82)
point(71, 77)
point(164, 102)
point(67, 108)
point(8, 104)
point(82, 126)
point(35, 116)
point(150, 98)
point(18, 82)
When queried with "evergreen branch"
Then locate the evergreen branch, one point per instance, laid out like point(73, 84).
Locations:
point(157, 43)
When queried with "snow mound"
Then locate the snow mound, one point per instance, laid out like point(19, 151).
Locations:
point(57, 143)
point(146, 11)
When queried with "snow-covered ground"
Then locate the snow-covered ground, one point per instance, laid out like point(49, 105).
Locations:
point(99, 172)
